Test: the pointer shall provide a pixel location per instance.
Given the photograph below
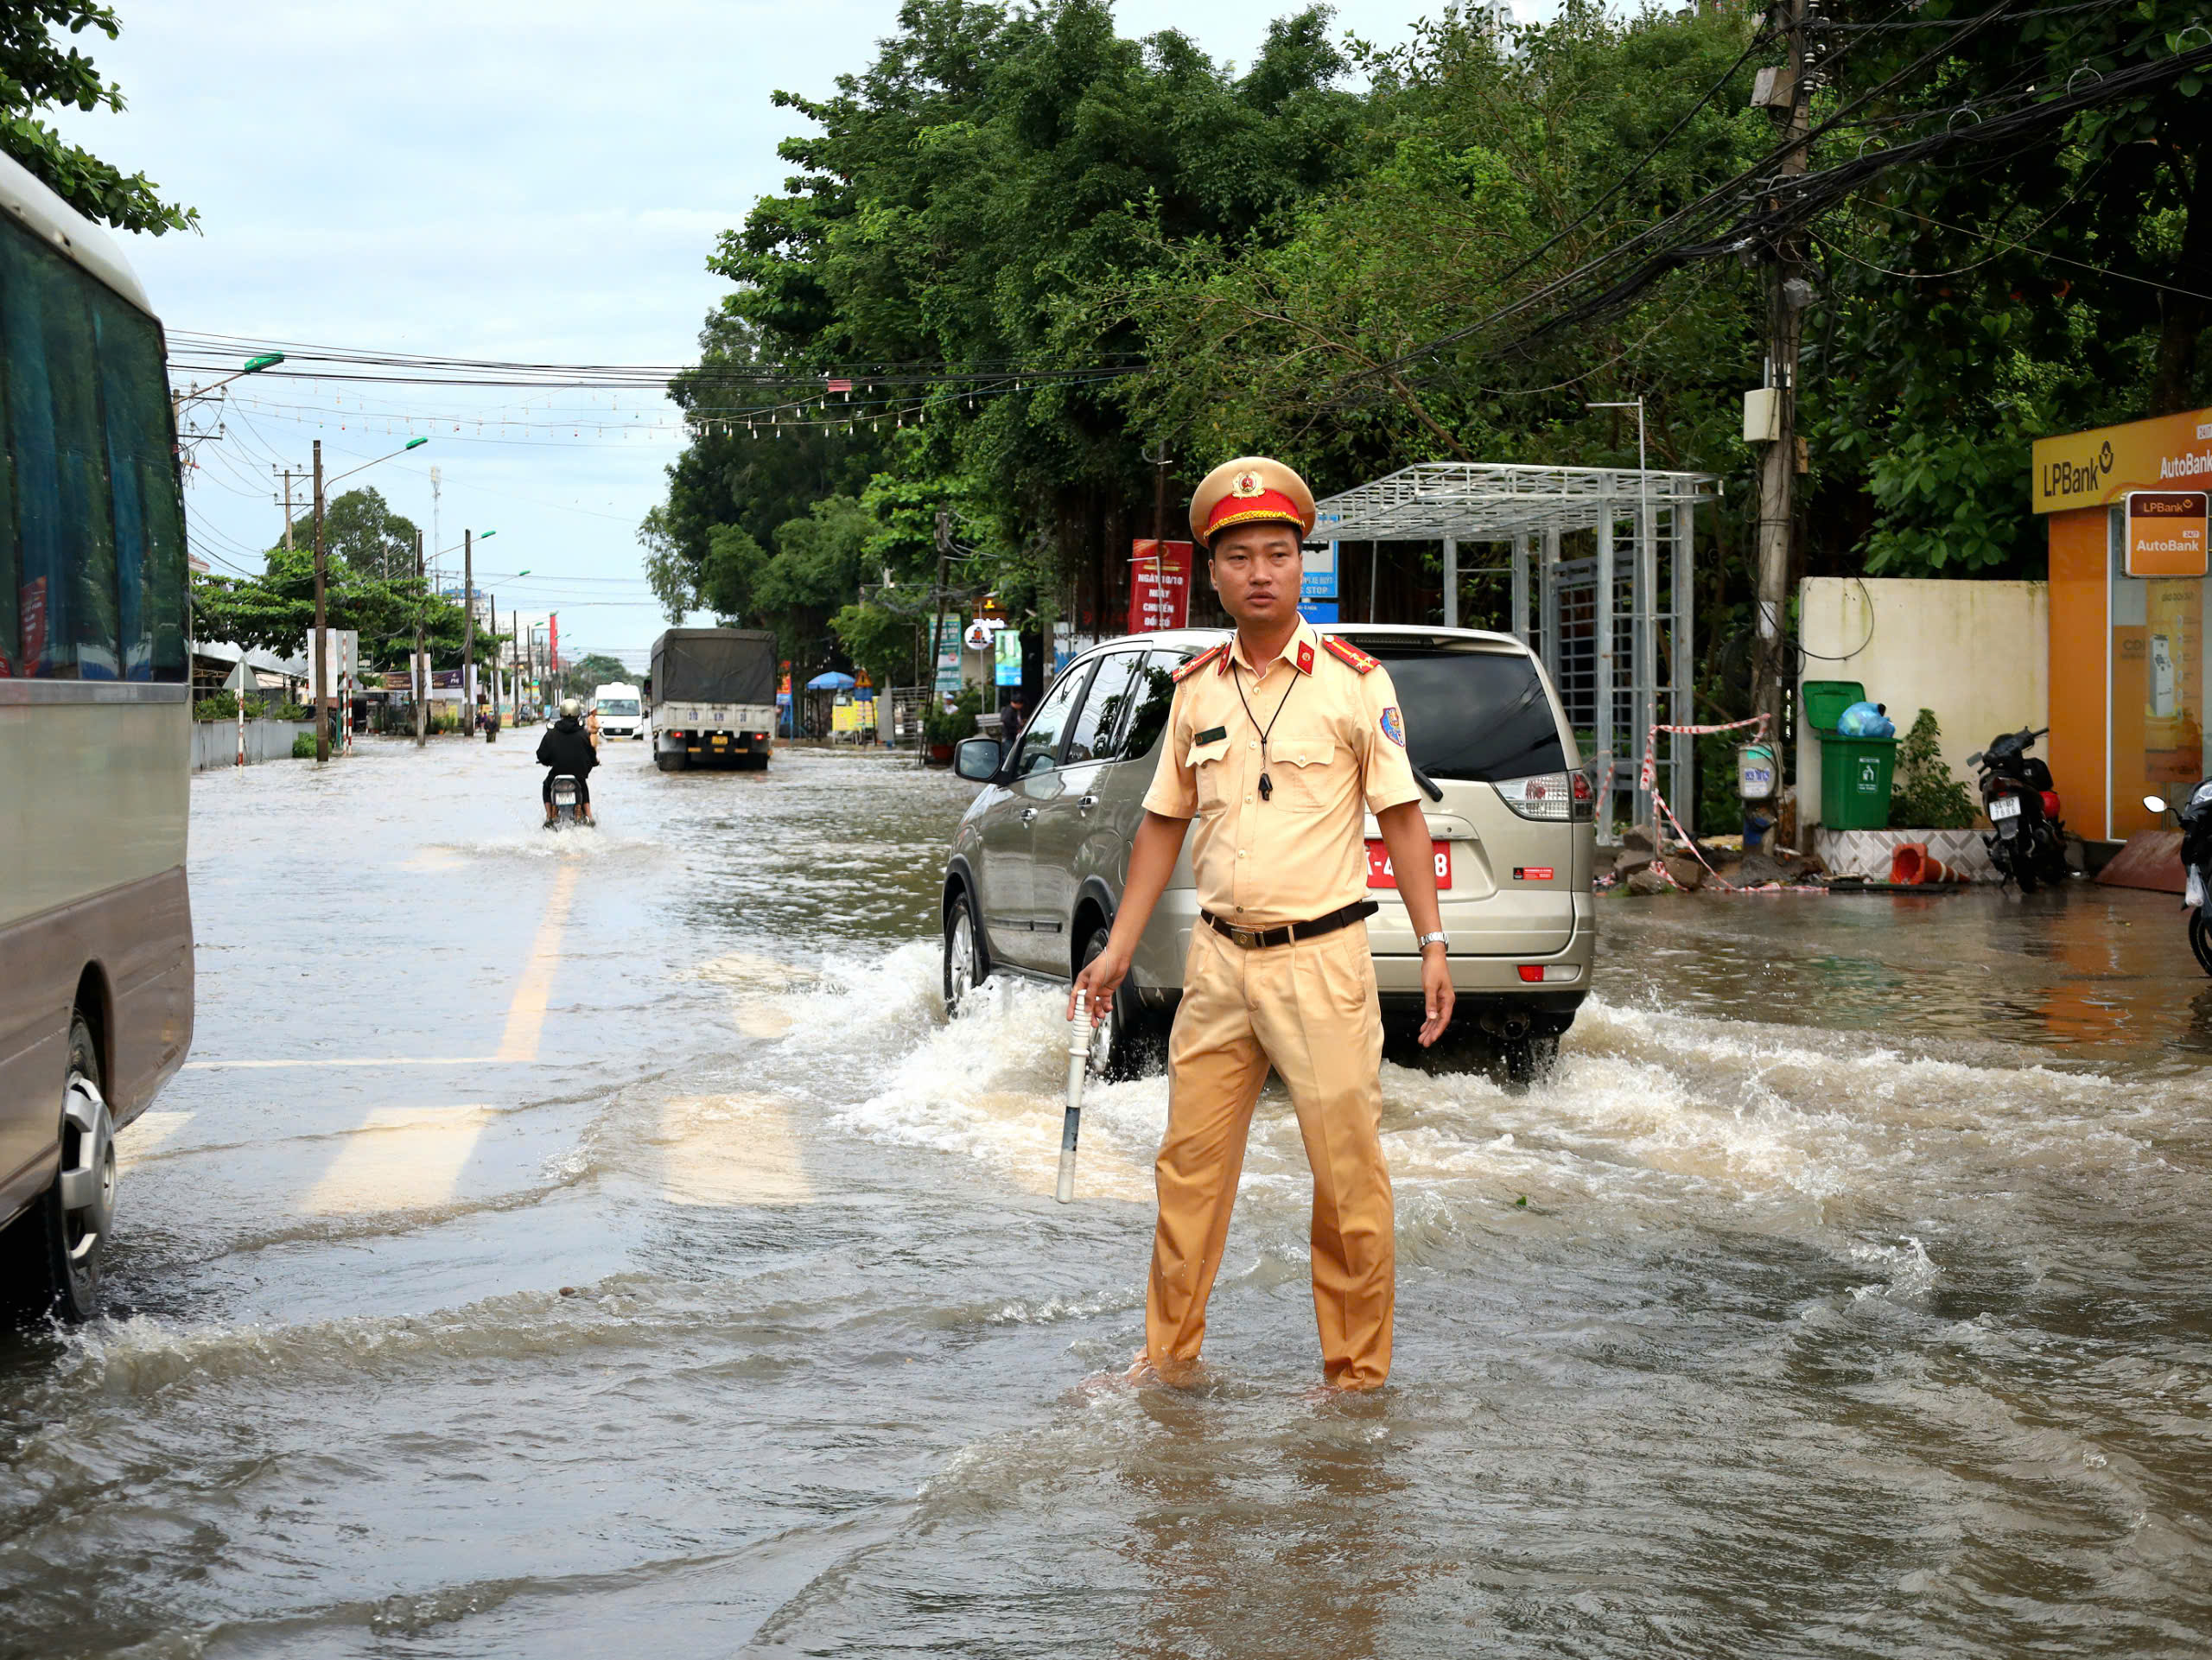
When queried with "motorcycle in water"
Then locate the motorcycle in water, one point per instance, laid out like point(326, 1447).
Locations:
point(2027, 838)
point(567, 814)
point(2195, 816)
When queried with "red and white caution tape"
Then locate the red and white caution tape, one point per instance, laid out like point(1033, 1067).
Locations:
point(1648, 778)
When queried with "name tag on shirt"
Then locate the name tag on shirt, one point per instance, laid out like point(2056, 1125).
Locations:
point(1212, 735)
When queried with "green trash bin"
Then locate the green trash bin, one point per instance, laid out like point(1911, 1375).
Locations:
point(1855, 774)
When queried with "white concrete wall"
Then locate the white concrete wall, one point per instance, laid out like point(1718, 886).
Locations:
point(215, 743)
point(1977, 653)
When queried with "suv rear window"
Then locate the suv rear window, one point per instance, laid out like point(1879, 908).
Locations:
point(1471, 713)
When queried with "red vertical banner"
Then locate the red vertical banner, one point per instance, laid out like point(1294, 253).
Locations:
point(1160, 586)
point(553, 641)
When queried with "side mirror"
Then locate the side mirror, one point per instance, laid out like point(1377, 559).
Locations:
point(2155, 803)
point(977, 760)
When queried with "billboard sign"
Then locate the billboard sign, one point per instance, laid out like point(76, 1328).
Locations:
point(1160, 586)
point(2165, 532)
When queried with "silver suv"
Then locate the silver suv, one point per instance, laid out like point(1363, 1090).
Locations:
point(1037, 863)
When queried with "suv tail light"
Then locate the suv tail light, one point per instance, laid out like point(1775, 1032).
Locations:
point(1553, 797)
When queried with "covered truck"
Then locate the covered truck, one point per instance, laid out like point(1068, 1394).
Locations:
point(714, 698)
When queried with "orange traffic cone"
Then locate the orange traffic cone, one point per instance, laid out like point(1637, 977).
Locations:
point(1912, 866)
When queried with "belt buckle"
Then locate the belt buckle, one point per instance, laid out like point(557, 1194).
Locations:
point(1247, 938)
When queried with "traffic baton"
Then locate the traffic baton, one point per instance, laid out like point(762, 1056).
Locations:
point(1079, 1063)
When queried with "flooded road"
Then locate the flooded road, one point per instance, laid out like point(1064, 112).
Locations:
point(560, 1244)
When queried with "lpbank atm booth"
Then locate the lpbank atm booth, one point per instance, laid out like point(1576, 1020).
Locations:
point(2129, 617)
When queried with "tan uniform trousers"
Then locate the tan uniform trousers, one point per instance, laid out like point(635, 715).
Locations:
point(1309, 1009)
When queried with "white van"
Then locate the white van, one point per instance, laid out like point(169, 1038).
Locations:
point(619, 706)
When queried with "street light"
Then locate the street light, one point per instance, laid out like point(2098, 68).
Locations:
point(412, 443)
point(253, 366)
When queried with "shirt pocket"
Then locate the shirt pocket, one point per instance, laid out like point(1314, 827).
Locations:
point(1210, 761)
point(1307, 773)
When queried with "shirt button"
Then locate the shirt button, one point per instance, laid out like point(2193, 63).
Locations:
point(1255, 744)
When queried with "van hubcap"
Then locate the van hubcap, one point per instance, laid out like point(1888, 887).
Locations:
point(87, 1184)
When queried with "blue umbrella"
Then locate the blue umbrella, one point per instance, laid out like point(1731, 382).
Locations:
point(831, 680)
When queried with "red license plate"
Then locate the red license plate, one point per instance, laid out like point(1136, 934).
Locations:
point(1379, 874)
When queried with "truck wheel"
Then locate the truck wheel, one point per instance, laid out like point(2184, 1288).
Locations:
point(669, 760)
point(56, 1249)
point(964, 968)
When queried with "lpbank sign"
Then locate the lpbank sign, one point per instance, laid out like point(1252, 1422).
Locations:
point(2096, 469)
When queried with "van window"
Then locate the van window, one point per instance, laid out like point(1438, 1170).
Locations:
point(1471, 713)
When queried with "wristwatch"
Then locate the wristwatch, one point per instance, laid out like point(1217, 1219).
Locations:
point(1426, 940)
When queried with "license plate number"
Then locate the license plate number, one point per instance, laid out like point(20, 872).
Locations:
point(1380, 874)
point(2005, 806)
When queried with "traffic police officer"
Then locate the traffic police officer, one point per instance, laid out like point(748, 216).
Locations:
point(1275, 740)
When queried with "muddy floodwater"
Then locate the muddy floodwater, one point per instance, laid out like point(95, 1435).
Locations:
point(603, 1244)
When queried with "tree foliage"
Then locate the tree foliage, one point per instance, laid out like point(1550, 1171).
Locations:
point(40, 72)
point(1039, 250)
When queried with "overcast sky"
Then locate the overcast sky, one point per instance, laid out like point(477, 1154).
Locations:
point(477, 178)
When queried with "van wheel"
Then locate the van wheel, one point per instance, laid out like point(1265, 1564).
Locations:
point(964, 968)
point(56, 1249)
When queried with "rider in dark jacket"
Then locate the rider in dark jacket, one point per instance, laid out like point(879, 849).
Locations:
point(566, 748)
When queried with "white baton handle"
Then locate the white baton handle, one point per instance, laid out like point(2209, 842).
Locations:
point(1078, 1062)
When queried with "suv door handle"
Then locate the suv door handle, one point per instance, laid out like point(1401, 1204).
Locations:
point(1086, 804)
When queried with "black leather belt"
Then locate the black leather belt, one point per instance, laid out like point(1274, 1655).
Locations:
point(1253, 939)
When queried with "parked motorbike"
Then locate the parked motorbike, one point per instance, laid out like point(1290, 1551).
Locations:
point(2027, 839)
point(2195, 817)
point(567, 814)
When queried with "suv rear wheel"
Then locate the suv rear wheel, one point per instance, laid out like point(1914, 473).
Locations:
point(55, 1252)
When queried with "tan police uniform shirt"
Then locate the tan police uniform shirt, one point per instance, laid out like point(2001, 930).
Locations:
point(1338, 744)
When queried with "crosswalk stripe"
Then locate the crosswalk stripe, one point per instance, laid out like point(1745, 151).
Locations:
point(147, 1134)
point(730, 1149)
point(399, 1158)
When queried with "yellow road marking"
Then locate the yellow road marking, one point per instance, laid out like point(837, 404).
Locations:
point(730, 1149)
point(399, 1159)
point(527, 1015)
point(350, 1060)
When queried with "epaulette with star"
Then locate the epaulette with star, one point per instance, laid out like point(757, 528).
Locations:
point(1194, 664)
point(1349, 654)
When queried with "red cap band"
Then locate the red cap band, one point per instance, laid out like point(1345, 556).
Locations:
point(1269, 506)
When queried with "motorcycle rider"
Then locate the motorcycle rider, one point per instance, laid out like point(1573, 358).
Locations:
point(566, 747)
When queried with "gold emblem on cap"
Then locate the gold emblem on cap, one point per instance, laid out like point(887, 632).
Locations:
point(1246, 486)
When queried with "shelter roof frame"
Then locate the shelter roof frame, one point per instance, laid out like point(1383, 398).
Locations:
point(1613, 626)
point(1494, 501)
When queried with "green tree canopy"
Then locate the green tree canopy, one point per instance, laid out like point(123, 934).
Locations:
point(38, 72)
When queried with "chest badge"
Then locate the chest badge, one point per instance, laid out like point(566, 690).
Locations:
point(1394, 727)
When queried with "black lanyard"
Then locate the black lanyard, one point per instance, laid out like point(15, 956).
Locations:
point(1267, 784)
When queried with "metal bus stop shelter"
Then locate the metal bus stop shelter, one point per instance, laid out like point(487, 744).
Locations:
point(1612, 626)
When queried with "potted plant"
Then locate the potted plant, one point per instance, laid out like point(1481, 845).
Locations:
point(943, 728)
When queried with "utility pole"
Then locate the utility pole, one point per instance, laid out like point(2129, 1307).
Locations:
point(492, 609)
point(468, 631)
point(420, 679)
point(322, 673)
point(937, 629)
point(1788, 94)
point(289, 475)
